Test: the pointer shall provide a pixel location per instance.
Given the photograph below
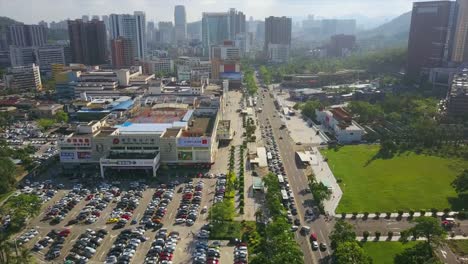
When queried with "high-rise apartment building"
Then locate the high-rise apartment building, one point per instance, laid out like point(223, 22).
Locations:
point(277, 38)
point(460, 41)
point(166, 32)
point(236, 23)
point(341, 45)
point(132, 27)
point(27, 35)
point(122, 52)
point(215, 29)
point(43, 56)
point(430, 36)
point(23, 78)
point(180, 22)
point(87, 41)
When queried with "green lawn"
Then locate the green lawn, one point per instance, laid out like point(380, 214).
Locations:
point(460, 247)
point(408, 181)
point(385, 252)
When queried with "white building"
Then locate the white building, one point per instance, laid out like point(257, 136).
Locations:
point(278, 52)
point(160, 65)
point(23, 78)
point(340, 123)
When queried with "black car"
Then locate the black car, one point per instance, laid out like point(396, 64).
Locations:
point(297, 222)
point(294, 211)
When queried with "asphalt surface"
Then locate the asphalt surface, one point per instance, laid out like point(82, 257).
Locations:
point(297, 180)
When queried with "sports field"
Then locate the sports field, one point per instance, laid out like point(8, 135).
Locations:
point(404, 182)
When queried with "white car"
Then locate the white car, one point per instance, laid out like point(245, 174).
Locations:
point(180, 221)
point(315, 245)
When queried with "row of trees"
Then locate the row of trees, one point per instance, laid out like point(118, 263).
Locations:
point(249, 79)
point(320, 192)
point(46, 123)
point(347, 249)
point(277, 244)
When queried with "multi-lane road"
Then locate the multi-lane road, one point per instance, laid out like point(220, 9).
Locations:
point(297, 179)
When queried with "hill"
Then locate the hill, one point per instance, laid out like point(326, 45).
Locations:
point(5, 22)
point(391, 34)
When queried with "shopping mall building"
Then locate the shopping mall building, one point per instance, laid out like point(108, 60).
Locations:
point(161, 132)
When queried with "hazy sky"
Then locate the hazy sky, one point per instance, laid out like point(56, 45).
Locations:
point(32, 11)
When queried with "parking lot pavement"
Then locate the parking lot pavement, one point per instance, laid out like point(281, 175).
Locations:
point(227, 255)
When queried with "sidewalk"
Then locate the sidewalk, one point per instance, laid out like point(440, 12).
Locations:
point(324, 174)
point(397, 238)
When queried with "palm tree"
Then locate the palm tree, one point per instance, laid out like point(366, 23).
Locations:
point(24, 256)
point(5, 251)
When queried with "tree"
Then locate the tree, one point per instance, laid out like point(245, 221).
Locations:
point(461, 182)
point(309, 107)
point(350, 252)
point(429, 228)
point(61, 117)
point(45, 123)
point(343, 232)
point(7, 175)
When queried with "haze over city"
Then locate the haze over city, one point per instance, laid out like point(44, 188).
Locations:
point(32, 11)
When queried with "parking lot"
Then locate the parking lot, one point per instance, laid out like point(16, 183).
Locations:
point(119, 222)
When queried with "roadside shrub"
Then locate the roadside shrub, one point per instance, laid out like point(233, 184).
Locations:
point(462, 215)
point(343, 215)
point(423, 212)
point(400, 212)
point(434, 212)
point(390, 235)
point(411, 212)
point(388, 214)
point(365, 234)
point(241, 210)
point(366, 214)
point(241, 203)
point(377, 235)
point(446, 211)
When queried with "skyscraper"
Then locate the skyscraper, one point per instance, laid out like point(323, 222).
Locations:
point(87, 41)
point(236, 23)
point(460, 41)
point(122, 52)
point(215, 29)
point(132, 27)
point(429, 40)
point(277, 38)
point(27, 35)
point(166, 32)
point(180, 22)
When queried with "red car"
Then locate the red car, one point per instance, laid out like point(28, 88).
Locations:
point(65, 232)
point(212, 261)
point(313, 237)
point(89, 197)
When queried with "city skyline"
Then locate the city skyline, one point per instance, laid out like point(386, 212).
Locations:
point(160, 11)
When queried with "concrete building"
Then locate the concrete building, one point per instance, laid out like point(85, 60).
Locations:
point(88, 41)
point(180, 22)
point(166, 32)
point(278, 52)
point(340, 123)
point(194, 31)
point(277, 38)
point(46, 110)
point(43, 56)
point(341, 45)
point(236, 23)
point(225, 59)
point(22, 35)
point(132, 27)
point(122, 52)
point(160, 65)
point(23, 78)
point(457, 97)
point(172, 134)
point(429, 43)
point(460, 41)
point(215, 29)
point(189, 67)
